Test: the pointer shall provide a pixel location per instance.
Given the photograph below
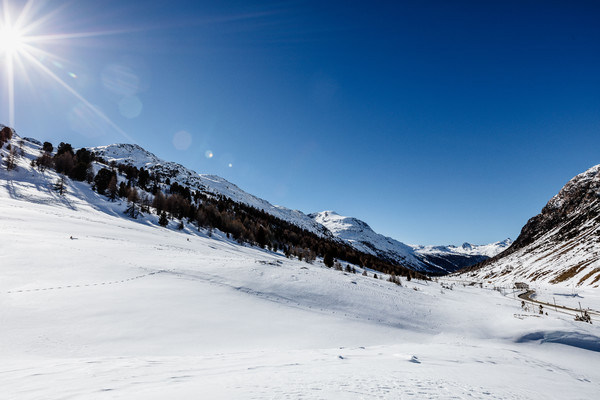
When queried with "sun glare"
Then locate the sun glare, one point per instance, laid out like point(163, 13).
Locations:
point(11, 40)
point(24, 49)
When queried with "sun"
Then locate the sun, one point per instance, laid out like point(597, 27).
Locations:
point(11, 40)
point(26, 41)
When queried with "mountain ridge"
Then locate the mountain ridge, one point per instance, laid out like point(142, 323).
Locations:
point(560, 245)
point(206, 182)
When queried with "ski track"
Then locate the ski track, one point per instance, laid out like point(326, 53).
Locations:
point(81, 285)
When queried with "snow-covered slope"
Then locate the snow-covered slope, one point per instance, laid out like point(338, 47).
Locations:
point(360, 236)
point(135, 155)
point(561, 245)
point(96, 305)
point(430, 259)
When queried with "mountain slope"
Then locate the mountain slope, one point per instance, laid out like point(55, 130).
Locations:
point(561, 245)
point(430, 259)
point(131, 154)
point(360, 236)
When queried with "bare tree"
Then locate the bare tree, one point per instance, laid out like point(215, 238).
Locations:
point(60, 186)
point(113, 190)
point(133, 199)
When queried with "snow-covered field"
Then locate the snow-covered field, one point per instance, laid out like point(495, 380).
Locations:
point(127, 309)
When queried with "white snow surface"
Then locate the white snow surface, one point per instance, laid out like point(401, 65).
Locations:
point(96, 305)
point(132, 154)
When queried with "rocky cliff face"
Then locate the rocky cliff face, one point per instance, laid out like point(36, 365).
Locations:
point(569, 210)
point(561, 245)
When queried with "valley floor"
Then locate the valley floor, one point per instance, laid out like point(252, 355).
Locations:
point(126, 309)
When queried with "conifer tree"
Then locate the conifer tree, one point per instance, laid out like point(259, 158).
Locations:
point(47, 147)
point(6, 134)
point(328, 260)
point(102, 179)
point(261, 236)
point(122, 190)
point(163, 220)
point(10, 160)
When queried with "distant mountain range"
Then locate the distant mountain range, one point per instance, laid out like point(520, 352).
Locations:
point(451, 258)
point(428, 259)
point(561, 245)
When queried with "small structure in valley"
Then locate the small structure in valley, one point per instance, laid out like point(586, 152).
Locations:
point(521, 285)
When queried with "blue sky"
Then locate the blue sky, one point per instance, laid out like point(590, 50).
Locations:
point(435, 123)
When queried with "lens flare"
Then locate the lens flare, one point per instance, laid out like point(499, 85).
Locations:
point(130, 107)
point(208, 154)
point(182, 140)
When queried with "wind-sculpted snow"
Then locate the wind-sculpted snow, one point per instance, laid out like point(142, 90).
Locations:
point(96, 305)
point(131, 154)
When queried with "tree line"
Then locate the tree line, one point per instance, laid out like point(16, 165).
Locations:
point(147, 192)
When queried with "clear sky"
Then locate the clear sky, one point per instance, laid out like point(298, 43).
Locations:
point(436, 122)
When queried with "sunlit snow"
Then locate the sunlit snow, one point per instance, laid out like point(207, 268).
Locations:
point(95, 305)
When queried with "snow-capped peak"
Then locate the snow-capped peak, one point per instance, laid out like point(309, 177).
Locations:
point(487, 250)
point(359, 235)
point(337, 223)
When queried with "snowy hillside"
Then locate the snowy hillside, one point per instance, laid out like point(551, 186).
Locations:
point(431, 259)
point(97, 305)
point(360, 235)
point(560, 245)
point(135, 155)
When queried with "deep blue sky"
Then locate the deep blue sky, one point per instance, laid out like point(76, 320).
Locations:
point(436, 122)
